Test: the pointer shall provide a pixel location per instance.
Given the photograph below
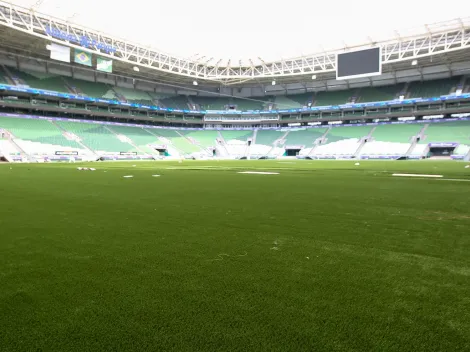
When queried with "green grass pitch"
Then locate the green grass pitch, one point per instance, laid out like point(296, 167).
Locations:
point(324, 256)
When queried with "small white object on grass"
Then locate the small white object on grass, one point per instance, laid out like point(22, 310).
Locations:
point(92, 169)
point(128, 176)
point(155, 175)
point(79, 168)
point(134, 165)
point(467, 166)
point(357, 164)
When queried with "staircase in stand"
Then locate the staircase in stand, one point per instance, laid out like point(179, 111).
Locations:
point(78, 141)
point(248, 146)
point(128, 140)
point(405, 90)
point(8, 149)
point(416, 139)
point(29, 157)
point(467, 157)
point(16, 80)
point(157, 137)
point(363, 142)
point(223, 144)
point(189, 141)
point(319, 141)
point(71, 89)
point(191, 104)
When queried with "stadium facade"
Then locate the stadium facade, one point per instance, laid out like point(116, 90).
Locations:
point(118, 100)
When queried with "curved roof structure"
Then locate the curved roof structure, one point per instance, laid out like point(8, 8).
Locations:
point(444, 44)
point(246, 30)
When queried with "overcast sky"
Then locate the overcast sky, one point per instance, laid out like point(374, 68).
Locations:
point(246, 29)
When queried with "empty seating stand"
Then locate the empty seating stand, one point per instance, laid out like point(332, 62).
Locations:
point(134, 96)
point(385, 93)
point(241, 136)
point(91, 89)
point(285, 102)
point(305, 137)
point(268, 137)
point(36, 130)
point(211, 103)
point(203, 138)
point(40, 80)
point(333, 98)
point(139, 136)
point(435, 88)
point(181, 143)
point(97, 137)
point(397, 133)
point(248, 104)
point(452, 131)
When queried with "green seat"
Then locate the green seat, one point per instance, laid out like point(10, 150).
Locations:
point(241, 136)
point(139, 136)
point(399, 133)
point(385, 93)
point(268, 137)
point(96, 137)
point(349, 132)
point(203, 138)
point(179, 142)
point(452, 131)
point(36, 130)
point(211, 103)
point(91, 89)
point(39, 80)
point(284, 102)
point(135, 96)
point(304, 137)
point(430, 89)
point(176, 102)
point(332, 98)
point(247, 104)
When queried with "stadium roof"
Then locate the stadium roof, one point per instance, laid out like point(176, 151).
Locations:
point(247, 30)
point(442, 49)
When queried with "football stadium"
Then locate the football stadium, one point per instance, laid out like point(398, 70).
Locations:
point(168, 185)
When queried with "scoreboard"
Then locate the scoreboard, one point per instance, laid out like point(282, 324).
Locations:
point(360, 63)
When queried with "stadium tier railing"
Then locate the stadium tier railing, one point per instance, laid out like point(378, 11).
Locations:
point(428, 91)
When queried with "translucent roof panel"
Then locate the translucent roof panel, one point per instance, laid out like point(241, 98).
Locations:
point(247, 29)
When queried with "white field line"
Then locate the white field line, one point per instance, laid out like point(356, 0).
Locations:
point(418, 175)
point(455, 179)
point(259, 172)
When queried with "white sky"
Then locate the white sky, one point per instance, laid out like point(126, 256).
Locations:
point(246, 29)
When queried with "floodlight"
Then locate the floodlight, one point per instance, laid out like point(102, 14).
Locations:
point(314, 76)
point(414, 62)
point(273, 82)
point(195, 83)
point(136, 69)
